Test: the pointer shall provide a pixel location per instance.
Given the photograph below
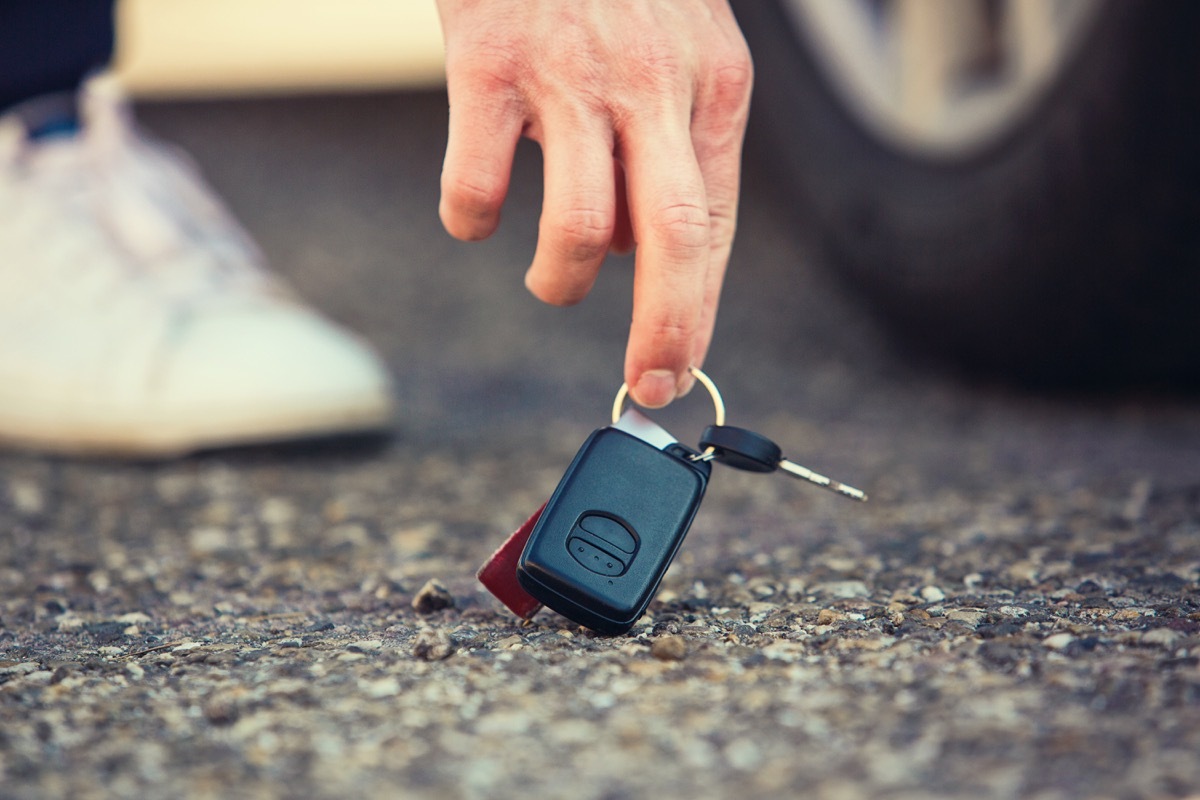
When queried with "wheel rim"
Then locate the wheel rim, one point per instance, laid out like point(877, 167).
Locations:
point(941, 78)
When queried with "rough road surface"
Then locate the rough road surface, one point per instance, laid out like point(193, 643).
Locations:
point(1016, 613)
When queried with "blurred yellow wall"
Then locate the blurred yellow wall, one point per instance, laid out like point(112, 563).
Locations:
point(175, 48)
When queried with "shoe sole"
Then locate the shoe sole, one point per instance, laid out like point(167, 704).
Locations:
point(148, 439)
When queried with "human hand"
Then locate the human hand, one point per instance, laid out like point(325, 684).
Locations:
point(640, 110)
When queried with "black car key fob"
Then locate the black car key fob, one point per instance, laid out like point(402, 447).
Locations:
point(614, 524)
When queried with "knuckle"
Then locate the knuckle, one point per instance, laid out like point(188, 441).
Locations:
point(730, 84)
point(683, 227)
point(733, 81)
point(583, 234)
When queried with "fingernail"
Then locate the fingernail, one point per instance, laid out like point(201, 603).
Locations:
point(655, 388)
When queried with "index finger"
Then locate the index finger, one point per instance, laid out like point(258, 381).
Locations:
point(668, 208)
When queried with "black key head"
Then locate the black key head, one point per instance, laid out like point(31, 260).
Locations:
point(741, 449)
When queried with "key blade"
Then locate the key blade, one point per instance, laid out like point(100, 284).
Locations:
point(804, 473)
point(638, 424)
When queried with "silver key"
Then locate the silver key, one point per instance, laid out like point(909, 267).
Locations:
point(753, 452)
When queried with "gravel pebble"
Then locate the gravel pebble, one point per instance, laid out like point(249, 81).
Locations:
point(827, 616)
point(433, 596)
point(1059, 641)
point(932, 594)
point(669, 648)
point(433, 645)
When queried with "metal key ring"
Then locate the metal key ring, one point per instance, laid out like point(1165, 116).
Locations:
point(718, 403)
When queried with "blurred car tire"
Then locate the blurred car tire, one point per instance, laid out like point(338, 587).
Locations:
point(1056, 241)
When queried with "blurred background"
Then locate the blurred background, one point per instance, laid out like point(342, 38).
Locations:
point(177, 48)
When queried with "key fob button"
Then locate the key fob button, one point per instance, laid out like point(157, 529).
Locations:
point(611, 531)
point(593, 558)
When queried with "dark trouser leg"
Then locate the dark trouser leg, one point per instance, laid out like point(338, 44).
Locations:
point(51, 45)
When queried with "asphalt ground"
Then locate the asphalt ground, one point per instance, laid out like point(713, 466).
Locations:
point(1015, 613)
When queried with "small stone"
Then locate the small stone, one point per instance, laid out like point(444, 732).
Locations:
point(432, 597)
point(365, 646)
point(966, 616)
point(1059, 641)
point(135, 671)
point(433, 645)
point(669, 648)
point(827, 616)
point(1129, 614)
point(932, 594)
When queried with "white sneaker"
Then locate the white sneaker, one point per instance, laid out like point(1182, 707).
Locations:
point(135, 315)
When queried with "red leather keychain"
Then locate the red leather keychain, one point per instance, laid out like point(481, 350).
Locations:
point(499, 573)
